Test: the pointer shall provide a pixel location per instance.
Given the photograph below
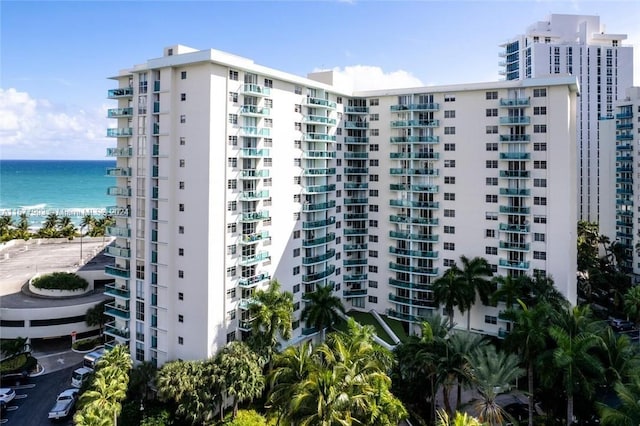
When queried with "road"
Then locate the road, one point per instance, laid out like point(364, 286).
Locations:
point(40, 395)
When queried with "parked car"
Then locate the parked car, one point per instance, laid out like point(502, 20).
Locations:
point(7, 395)
point(64, 404)
point(621, 325)
point(79, 376)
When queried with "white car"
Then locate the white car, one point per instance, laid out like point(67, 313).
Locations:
point(7, 395)
point(64, 404)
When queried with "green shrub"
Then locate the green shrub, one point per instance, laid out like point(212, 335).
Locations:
point(14, 364)
point(87, 344)
point(60, 281)
point(247, 418)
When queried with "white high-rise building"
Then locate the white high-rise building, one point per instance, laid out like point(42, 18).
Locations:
point(230, 174)
point(578, 45)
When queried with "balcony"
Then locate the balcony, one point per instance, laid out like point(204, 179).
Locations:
point(319, 241)
point(624, 126)
point(414, 253)
point(254, 258)
point(515, 155)
point(414, 237)
point(414, 139)
point(514, 210)
point(120, 152)
point(622, 115)
point(319, 154)
point(119, 191)
point(319, 172)
point(355, 201)
point(513, 264)
point(111, 330)
point(309, 207)
point(116, 251)
point(416, 204)
point(319, 275)
point(116, 310)
point(254, 280)
point(412, 302)
point(515, 138)
point(624, 137)
point(124, 92)
point(414, 123)
point(356, 139)
point(119, 112)
point(356, 155)
point(416, 107)
point(356, 125)
point(254, 216)
point(254, 238)
point(254, 174)
point(256, 90)
point(521, 229)
point(318, 137)
point(356, 110)
point(624, 147)
point(354, 293)
point(355, 247)
point(255, 131)
point(355, 277)
point(253, 110)
point(515, 102)
point(117, 271)
point(253, 195)
point(416, 155)
point(356, 216)
point(255, 153)
point(405, 284)
point(319, 102)
point(413, 269)
point(515, 120)
point(319, 223)
point(426, 172)
point(356, 170)
point(246, 303)
point(355, 262)
point(120, 291)
point(118, 172)
point(123, 132)
point(318, 259)
point(417, 220)
point(356, 185)
point(520, 192)
point(403, 317)
point(118, 231)
point(514, 246)
point(320, 119)
point(517, 174)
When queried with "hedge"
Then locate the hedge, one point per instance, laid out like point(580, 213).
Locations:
point(60, 281)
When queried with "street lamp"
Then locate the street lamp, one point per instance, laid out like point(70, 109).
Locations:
point(81, 226)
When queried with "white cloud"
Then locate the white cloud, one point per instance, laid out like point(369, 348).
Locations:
point(367, 77)
point(38, 129)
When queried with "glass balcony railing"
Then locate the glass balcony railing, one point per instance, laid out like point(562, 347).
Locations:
point(515, 210)
point(252, 152)
point(403, 171)
point(507, 227)
point(254, 237)
point(116, 290)
point(517, 192)
point(319, 102)
point(355, 201)
point(391, 313)
point(119, 172)
point(515, 102)
point(255, 131)
point(116, 310)
point(253, 195)
point(117, 251)
point(405, 284)
point(124, 92)
point(415, 123)
point(515, 138)
point(414, 253)
point(320, 172)
point(356, 185)
point(355, 231)
point(320, 258)
point(624, 115)
point(120, 132)
point(319, 223)
point(356, 109)
point(356, 139)
point(319, 275)
point(356, 170)
point(624, 147)
point(416, 155)
point(414, 139)
point(254, 110)
point(309, 207)
point(356, 155)
point(119, 191)
point(624, 137)
point(355, 277)
point(256, 89)
point(355, 247)
point(505, 245)
point(412, 302)
point(319, 241)
point(119, 112)
point(416, 107)
point(356, 125)
point(624, 126)
point(254, 280)
point(318, 137)
point(514, 173)
point(513, 264)
point(111, 329)
point(415, 237)
point(356, 216)
point(416, 204)
point(521, 119)
point(246, 303)
point(414, 188)
point(320, 119)
point(319, 154)
point(515, 155)
point(254, 216)
point(120, 152)
point(118, 231)
point(307, 331)
point(118, 271)
point(354, 262)
point(355, 292)
point(413, 269)
point(254, 258)
point(418, 220)
point(254, 174)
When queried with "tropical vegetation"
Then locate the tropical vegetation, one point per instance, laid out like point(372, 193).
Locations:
point(60, 281)
point(54, 226)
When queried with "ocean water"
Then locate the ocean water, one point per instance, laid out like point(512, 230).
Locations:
point(68, 188)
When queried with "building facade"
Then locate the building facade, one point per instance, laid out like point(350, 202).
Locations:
point(230, 174)
point(578, 45)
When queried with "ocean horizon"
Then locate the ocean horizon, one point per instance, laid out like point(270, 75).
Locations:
point(71, 188)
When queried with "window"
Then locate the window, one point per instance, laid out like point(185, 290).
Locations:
point(491, 112)
point(491, 250)
point(373, 268)
point(339, 99)
point(231, 249)
point(268, 83)
point(296, 252)
point(491, 95)
point(183, 96)
point(539, 201)
point(491, 146)
point(232, 228)
point(539, 93)
point(540, 110)
point(373, 207)
point(491, 216)
point(296, 288)
point(373, 223)
point(232, 184)
point(180, 340)
point(537, 236)
point(373, 192)
point(180, 229)
point(540, 183)
point(449, 229)
point(231, 336)
point(296, 270)
point(180, 295)
point(297, 90)
point(449, 130)
point(180, 318)
point(183, 141)
point(373, 253)
point(373, 284)
point(491, 181)
point(490, 319)
point(231, 315)
point(180, 274)
point(373, 238)
point(296, 198)
point(450, 114)
point(232, 206)
point(449, 196)
point(296, 234)
point(296, 215)
point(233, 97)
point(373, 178)
point(268, 162)
point(231, 293)
point(449, 146)
point(233, 118)
point(181, 163)
point(268, 103)
point(181, 185)
point(374, 102)
point(492, 164)
point(449, 263)
point(540, 146)
point(181, 207)
point(449, 246)
point(373, 299)
point(539, 128)
point(449, 98)
point(450, 180)
point(491, 198)
point(374, 132)
point(233, 75)
point(492, 130)
point(450, 163)
point(232, 162)
point(540, 255)
point(489, 233)
point(183, 75)
point(374, 117)
point(297, 126)
point(297, 162)
point(374, 147)
point(233, 140)
point(449, 213)
point(268, 122)
point(540, 164)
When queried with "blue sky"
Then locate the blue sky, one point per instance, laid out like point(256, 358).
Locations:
point(56, 56)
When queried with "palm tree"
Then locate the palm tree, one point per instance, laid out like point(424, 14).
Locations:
point(6, 225)
point(632, 303)
point(628, 413)
point(95, 316)
point(322, 308)
point(540, 289)
point(272, 311)
point(450, 291)
point(508, 289)
point(141, 378)
point(242, 373)
point(102, 399)
point(459, 345)
point(460, 419)
point(493, 373)
point(118, 360)
point(476, 274)
point(87, 222)
point(23, 227)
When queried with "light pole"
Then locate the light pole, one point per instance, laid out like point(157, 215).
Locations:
point(81, 226)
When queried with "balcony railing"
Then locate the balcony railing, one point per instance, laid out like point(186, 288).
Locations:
point(254, 174)
point(515, 138)
point(254, 280)
point(254, 110)
point(321, 119)
point(254, 216)
point(418, 220)
point(119, 191)
point(320, 258)
point(414, 188)
point(416, 107)
point(319, 241)
point(515, 102)
point(514, 173)
point(319, 102)
point(415, 123)
point(120, 132)
point(118, 231)
point(354, 293)
point(514, 228)
point(254, 238)
point(320, 172)
point(355, 247)
point(416, 204)
point(319, 275)
point(413, 253)
point(255, 131)
point(117, 251)
point(521, 119)
point(254, 258)
point(120, 291)
point(412, 301)
point(124, 92)
point(515, 155)
point(414, 139)
point(118, 271)
point(417, 155)
point(308, 207)
point(522, 192)
point(355, 231)
point(317, 136)
point(403, 171)
point(513, 264)
point(356, 139)
point(356, 185)
point(119, 172)
point(252, 152)
point(319, 154)
point(414, 269)
point(355, 201)
point(514, 210)
point(403, 317)
point(119, 112)
point(356, 216)
point(356, 125)
point(120, 152)
point(256, 89)
point(514, 246)
point(355, 277)
point(111, 329)
point(415, 237)
point(116, 310)
point(253, 195)
point(356, 109)
point(319, 223)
